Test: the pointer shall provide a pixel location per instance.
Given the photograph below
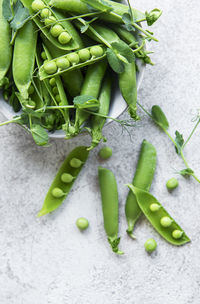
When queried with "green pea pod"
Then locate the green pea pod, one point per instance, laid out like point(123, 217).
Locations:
point(75, 41)
point(51, 203)
point(91, 87)
point(78, 7)
point(44, 75)
point(145, 200)
point(109, 197)
point(5, 47)
point(73, 87)
point(143, 178)
point(24, 57)
point(128, 88)
point(98, 122)
point(125, 35)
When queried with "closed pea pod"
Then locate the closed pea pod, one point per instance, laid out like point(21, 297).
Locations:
point(5, 47)
point(24, 57)
point(55, 198)
point(98, 122)
point(128, 88)
point(91, 87)
point(164, 224)
point(109, 197)
point(143, 178)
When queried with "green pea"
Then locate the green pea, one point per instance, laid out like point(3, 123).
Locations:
point(96, 51)
point(82, 223)
point(64, 38)
point(50, 67)
point(45, 13)
point(31, 90)
point(43, 56)
point(73, 58)
point(165, 221)
point(55, 90)
point(58, 99)
point(154, 207)
point(150, 245)
point(67, 178)
point(52, 82)
point(177, 234)
point(75, 163)
point(62, 63)
point(37, 5)
point(56, 30)
point(49, 21)
point(57, 193)
point(172, 183)
point(105, 152)
point(84, 55)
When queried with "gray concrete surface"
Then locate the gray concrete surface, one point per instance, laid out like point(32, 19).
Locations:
point(47, 260)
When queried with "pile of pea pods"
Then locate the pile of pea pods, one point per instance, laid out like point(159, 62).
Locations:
point(58, 61)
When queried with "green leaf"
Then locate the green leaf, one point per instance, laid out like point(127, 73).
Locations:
point(86, 102)
point(99, 5)
point(6, 10)
point(126, 17)
point(159, 117)
point(186, 172)
point(116, 64)
point(40, 135)
point(124, 50)
point(20, 17)
point(179, 142)
point(153, 16)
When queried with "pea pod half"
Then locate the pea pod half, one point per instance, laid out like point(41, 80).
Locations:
point(5, 47)
point(109, 196)
point(96, 53)
point(159, 217)
point(143, 178)
point(71, 166)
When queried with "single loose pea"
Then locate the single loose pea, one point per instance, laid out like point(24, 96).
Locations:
point(57, 193)
point(67, 178)
point(96, 51)
point(165, 221)
point(82, 223)
point(37, 5)
point(154, 207)
point(105, 152)
point(75, 163)
point(43, 56)
point(56, 30)
point(49, 21)
point(45, 13)
point(55, 90)
point(73, 58)
point(150, 245)
point(52, 82)
point(50, 67)
point(31, 90)
point(58, 99)
point(84, 55)
point(172, 183)
point(177, 234)
point(62, 63)
point(64, 38)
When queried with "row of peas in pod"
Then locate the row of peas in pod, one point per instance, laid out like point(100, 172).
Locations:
point(59, 61)
point(139, 200)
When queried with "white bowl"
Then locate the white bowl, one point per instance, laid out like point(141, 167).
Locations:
point(117, 107)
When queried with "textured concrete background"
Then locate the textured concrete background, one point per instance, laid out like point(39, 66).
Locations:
point(48, 261)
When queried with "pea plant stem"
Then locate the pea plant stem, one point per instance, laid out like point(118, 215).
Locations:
point(193, 130)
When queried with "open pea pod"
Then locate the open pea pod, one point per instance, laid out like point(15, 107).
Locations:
point(73, 60)
point(51, 202)
point(75, 41)
point(156, 214)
